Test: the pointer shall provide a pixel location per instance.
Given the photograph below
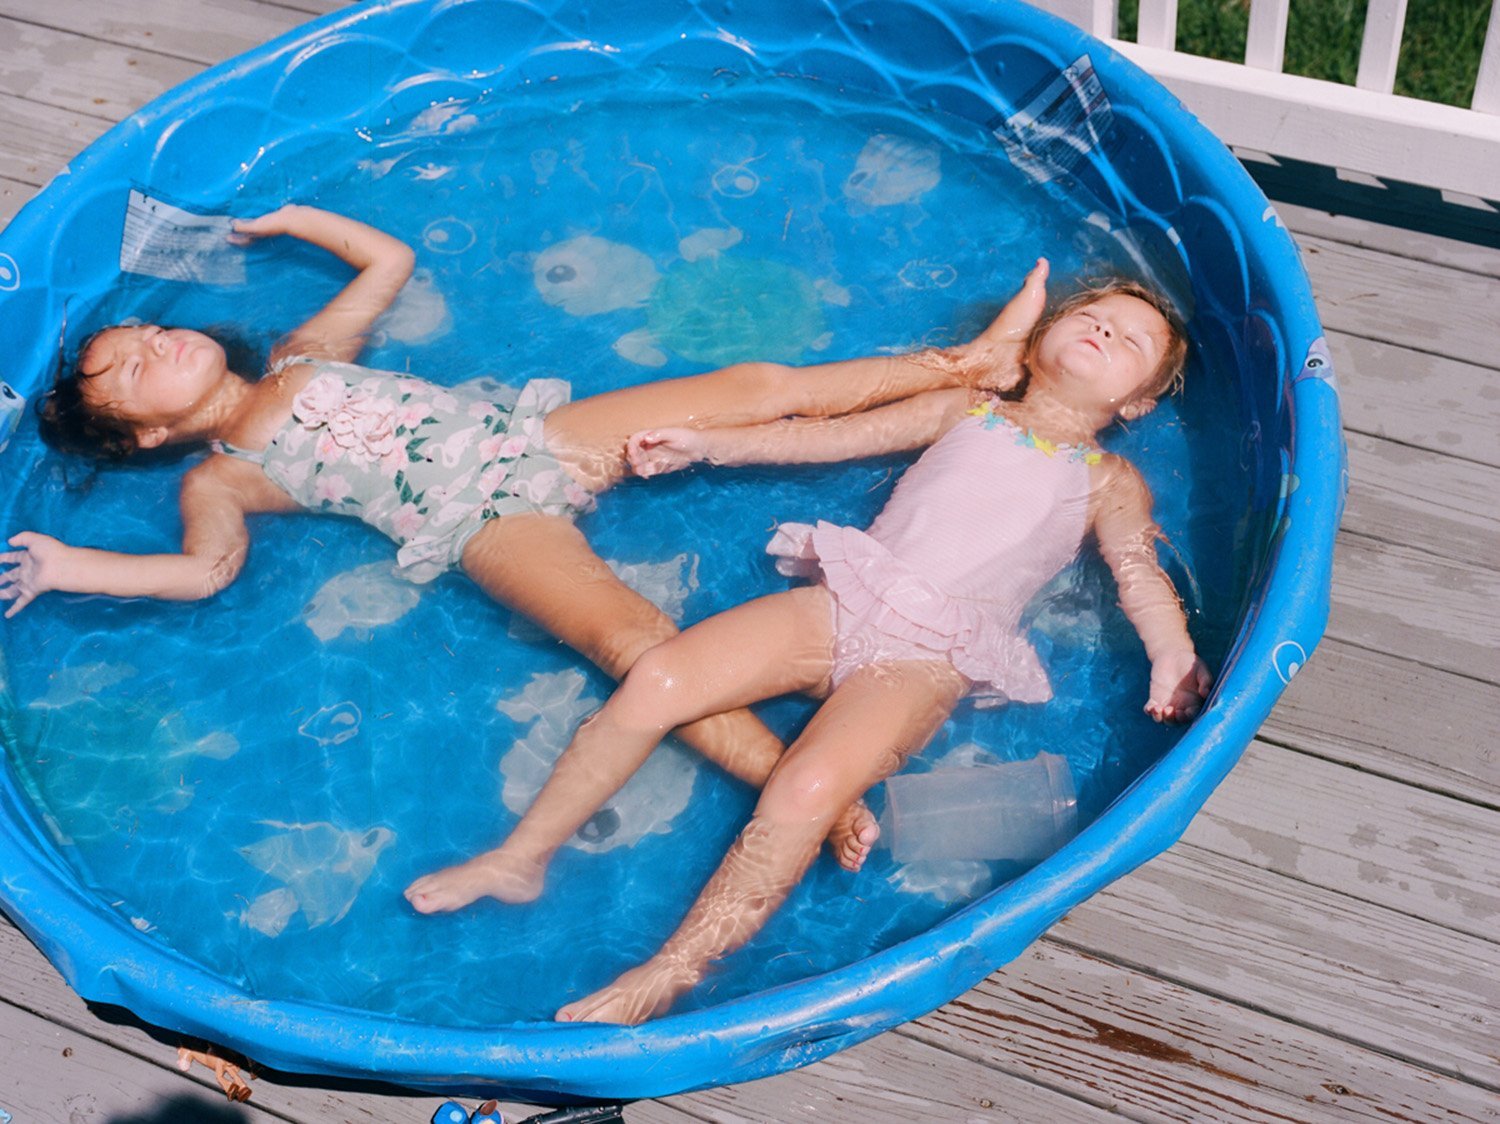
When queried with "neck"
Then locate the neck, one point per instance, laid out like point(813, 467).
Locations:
point(218, 412)
point(1050, 417)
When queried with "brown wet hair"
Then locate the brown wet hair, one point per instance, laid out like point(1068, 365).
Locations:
point(69, 423)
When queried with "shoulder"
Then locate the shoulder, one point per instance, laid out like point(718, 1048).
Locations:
point(1112, 472)
point(1117, 488)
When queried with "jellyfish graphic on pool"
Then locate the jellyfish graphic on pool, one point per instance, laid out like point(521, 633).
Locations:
point(708, 306)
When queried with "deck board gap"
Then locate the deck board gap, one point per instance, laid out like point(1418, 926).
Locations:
point(1351, 240)
point(1355, 896)
point(1416, 447)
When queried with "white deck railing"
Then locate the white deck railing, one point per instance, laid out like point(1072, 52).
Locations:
point(1364, 128)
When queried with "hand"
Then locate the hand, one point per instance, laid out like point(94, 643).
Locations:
point(38, 566)
point(993, 360)
point(268, 225)
point(655, 452)
point(1180, 681)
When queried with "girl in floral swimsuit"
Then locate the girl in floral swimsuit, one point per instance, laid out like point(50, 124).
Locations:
point(490, 487)
point(905, 618)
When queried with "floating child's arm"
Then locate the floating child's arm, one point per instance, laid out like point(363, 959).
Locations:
point(1127, 534)
point(384, 263)
point(214, 543)
point(908, 424)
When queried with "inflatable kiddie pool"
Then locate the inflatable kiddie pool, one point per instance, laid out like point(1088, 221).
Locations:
point(118, 782)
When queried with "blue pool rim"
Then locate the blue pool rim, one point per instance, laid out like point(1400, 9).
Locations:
point(108, 961)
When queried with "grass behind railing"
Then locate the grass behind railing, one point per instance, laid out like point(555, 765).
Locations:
point(1439, 52)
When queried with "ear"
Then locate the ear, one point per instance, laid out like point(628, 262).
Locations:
point(151, 437)
point(1137, 408)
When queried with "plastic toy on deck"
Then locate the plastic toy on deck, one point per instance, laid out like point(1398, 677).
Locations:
point(1059, 108)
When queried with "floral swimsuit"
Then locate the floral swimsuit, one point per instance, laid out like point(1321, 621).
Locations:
point(423, 464)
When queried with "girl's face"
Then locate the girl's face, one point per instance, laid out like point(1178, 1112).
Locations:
point(150, 376)
point(1103, 354)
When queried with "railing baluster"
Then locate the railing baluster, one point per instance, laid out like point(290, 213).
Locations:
point(1384, 22)
point(1265, 43)
point(1156, 26)
point(1487, 88)
point(1100, 18)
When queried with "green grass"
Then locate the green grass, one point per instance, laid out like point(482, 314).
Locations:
point(1439, 51)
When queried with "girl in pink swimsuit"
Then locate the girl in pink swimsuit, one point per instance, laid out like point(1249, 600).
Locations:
point(905, 619)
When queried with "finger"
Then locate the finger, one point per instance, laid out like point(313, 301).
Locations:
point(21, 603)
point(23, 539)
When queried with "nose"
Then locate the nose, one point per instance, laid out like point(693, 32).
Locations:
point(1102, 326)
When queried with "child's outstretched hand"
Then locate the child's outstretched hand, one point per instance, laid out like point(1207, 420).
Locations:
point(993, 360)
point(1180, 682)
point(246, 231)
point(655, 452)
point(35, 568)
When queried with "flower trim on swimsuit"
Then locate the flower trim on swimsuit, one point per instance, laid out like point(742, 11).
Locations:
point(991, 418)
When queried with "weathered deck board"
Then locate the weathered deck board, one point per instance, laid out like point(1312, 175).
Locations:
point(1155, 1050)
point(199, 31)
point(87, 76)
point(1389, 597)
point(1321, 959)
point(1438, 504)
point(1323, 824)
point(1387, 715)
point(1418, 305)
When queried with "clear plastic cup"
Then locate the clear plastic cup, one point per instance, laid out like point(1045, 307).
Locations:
point(1018, 811)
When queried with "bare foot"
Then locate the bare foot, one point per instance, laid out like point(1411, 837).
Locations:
point(853, 836)
point(493, 874)
point(227, 1074)
point(639, 994)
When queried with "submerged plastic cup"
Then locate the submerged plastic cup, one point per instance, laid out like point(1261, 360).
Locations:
point(1017, 811)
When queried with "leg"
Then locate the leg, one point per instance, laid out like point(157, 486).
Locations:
point(589, 435)
point(868, 726)
point(658, 694)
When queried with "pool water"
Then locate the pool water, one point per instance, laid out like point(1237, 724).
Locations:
point(253, 780)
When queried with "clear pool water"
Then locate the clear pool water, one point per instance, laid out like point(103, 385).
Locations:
point(253, 780)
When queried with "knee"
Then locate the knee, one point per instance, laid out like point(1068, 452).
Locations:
point(802, 792)
point(654, 686)
point(617, 650)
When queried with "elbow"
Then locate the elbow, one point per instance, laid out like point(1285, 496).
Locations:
point(401, 260)
point(220, 574)
point(207, 578)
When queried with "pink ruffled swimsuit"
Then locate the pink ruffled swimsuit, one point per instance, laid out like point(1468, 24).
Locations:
point(985, 518)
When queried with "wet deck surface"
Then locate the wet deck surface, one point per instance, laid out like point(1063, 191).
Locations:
point(1321, 945)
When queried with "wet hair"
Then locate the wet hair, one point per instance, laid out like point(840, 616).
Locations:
point(1168, 377)
point(69, 423)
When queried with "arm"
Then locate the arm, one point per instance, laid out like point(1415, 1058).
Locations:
point(908, 424)
point(384, 263)
point(1127, 534)
point(214, 542)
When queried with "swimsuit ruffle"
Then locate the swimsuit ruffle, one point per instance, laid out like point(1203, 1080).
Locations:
point(874, 585)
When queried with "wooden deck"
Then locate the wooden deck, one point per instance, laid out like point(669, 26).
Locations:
point(1324, 944)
